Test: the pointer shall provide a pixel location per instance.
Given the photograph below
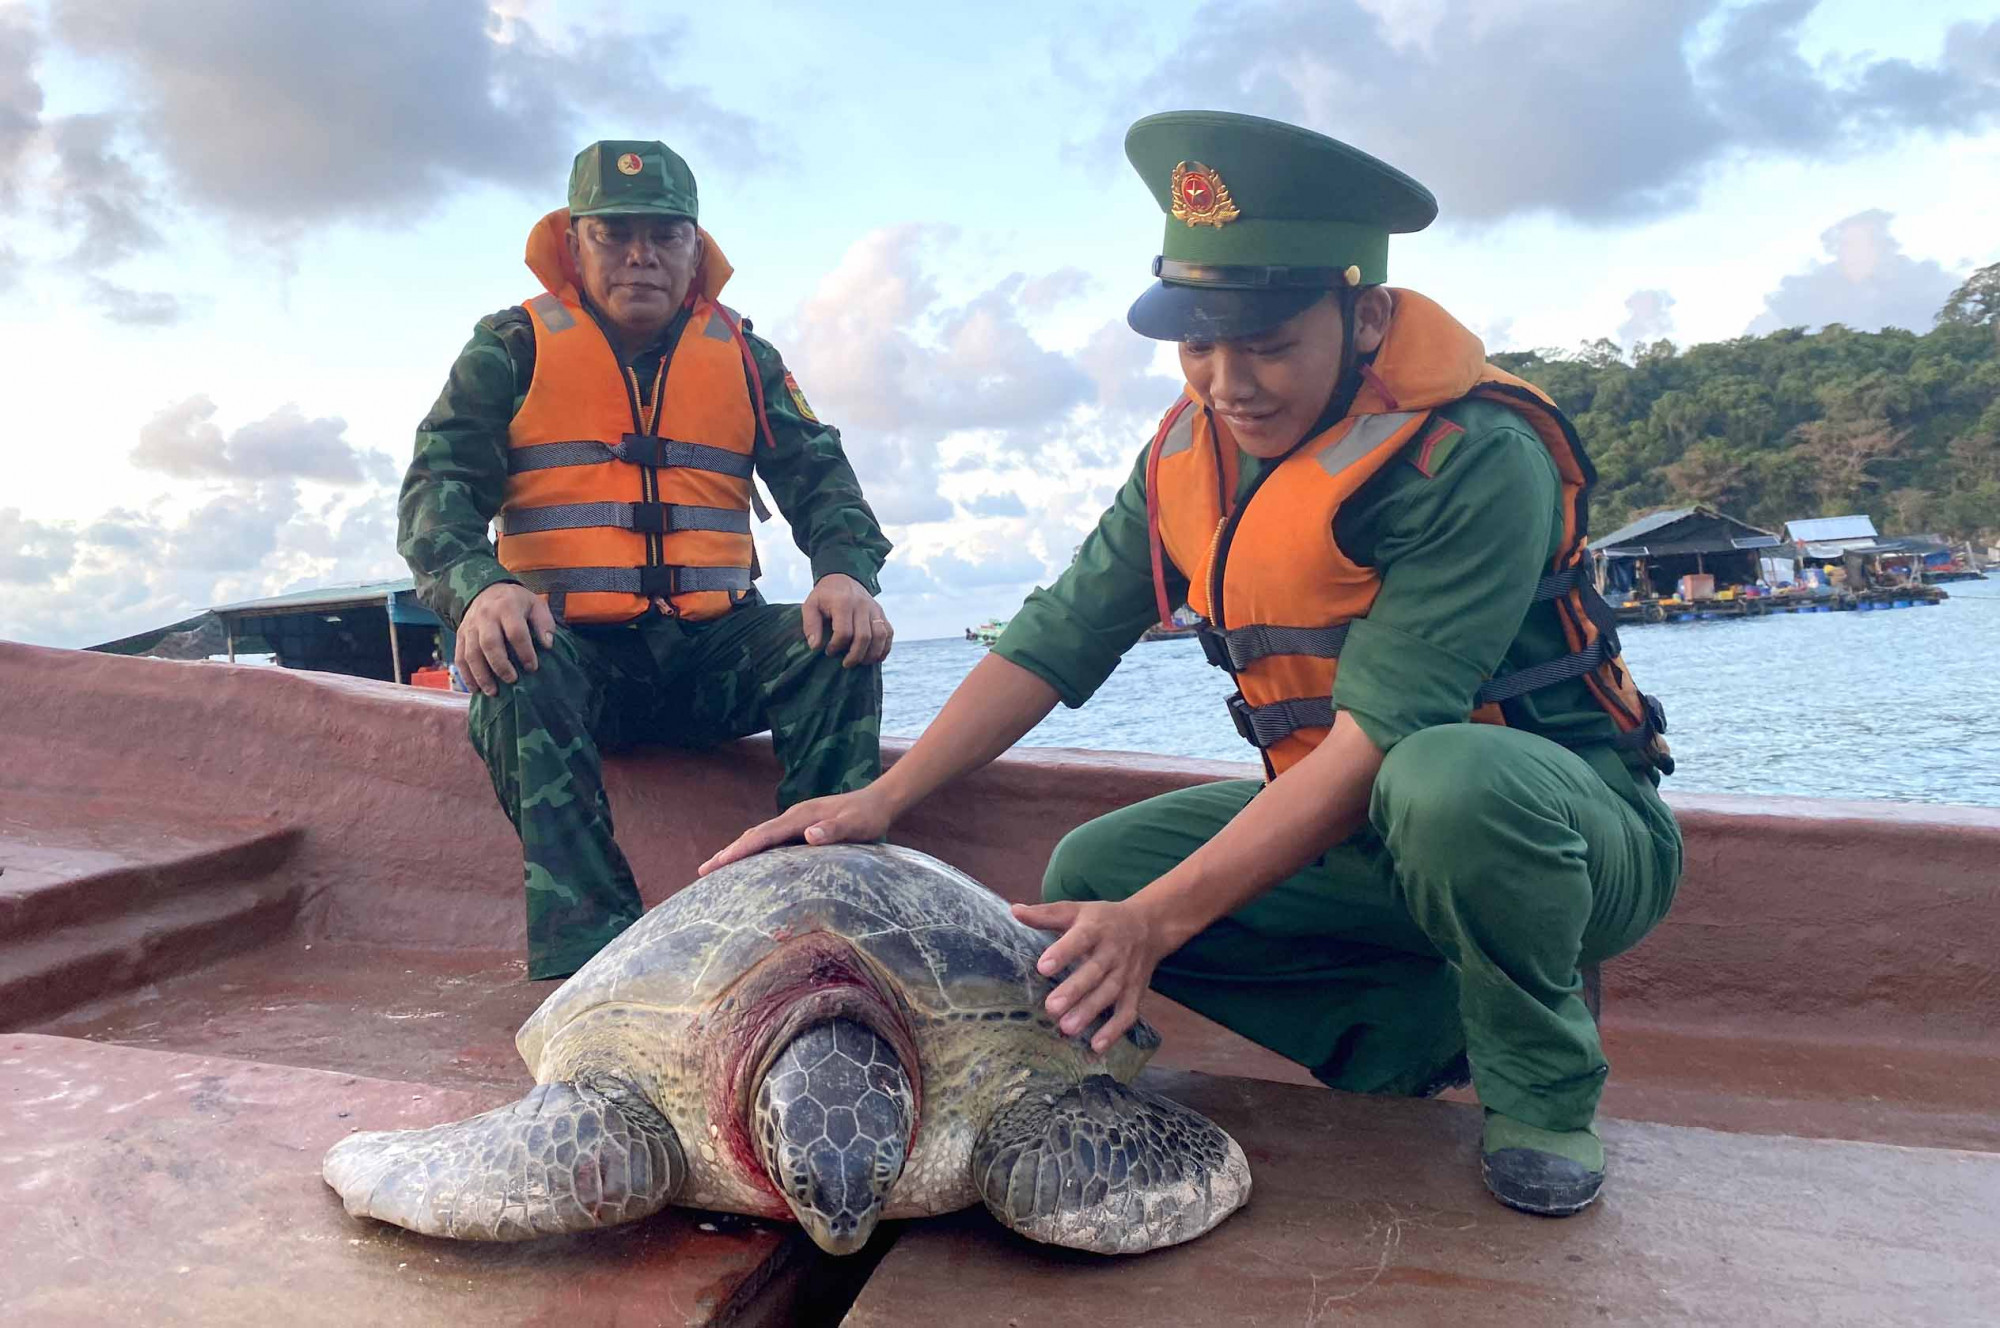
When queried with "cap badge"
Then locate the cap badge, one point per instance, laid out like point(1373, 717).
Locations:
point(630, 164)
point(1200, 196)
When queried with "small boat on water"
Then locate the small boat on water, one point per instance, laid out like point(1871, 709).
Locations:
point(987, 632)
point(245, 911)
point(1184, 623)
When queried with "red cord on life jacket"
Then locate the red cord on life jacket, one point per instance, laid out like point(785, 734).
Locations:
point(1153, 540)
point(756, 378)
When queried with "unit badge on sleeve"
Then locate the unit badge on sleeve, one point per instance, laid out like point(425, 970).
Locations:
point(1200, 196)
point(799, 398)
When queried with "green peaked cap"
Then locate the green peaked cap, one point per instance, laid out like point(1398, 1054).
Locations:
point(629, 176)
point(1263, 218)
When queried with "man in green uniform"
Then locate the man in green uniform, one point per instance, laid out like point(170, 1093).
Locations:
point(549, 695)
point(1411, 892)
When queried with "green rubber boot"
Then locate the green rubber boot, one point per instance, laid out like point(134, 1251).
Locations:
point(1549, 1172)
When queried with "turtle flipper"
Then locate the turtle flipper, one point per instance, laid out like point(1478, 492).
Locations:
point(567, 1157)
point(1103, 1167)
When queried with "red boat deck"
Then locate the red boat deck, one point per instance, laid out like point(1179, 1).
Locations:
point(305, 882)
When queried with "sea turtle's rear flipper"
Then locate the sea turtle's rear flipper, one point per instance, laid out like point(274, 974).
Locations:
point(1099, 1166)
point(567, 1157)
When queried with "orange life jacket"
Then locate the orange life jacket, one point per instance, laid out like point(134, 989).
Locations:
point(624, 496)
point(1274, 589)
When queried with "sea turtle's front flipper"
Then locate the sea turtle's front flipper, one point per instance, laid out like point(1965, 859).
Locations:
point(567, 1157)
point(1099, 1166)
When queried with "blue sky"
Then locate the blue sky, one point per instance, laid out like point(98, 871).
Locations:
point(240, 243)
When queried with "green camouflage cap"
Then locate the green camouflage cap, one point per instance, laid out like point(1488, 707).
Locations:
point(1263, 218)
point(625, 175)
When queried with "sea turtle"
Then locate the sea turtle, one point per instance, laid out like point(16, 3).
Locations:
point(835, 1035)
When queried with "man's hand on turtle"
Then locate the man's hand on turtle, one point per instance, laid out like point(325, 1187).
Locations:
point(843, 818)
point(841, 616)
point(505, 616)
point(1114, 949)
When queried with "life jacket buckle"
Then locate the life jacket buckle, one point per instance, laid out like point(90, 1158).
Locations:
point(642, 449)
point(1214, 648)
point(1239, 715)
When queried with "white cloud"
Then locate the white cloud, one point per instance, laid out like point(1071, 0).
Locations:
point(304, 114)
point(1649, 317)
point(276, 504)
point(1602, 113)
point(909, 374)
point(995, 504)
point(1866, 282)
point(183, 441)
point(32, 552)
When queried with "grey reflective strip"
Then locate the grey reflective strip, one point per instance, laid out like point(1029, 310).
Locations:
point(1542, 675)
point(547, 456)
point(1556, 584)
point(619, 516)
point(1369, 432)
point(563, 516)
point(718, 326)
point(1246, 645)
point(724, 520)
point(1181, 437)
point(700, 456)
point(632, 580)
point(711, 578)
point(688, 456)
point(1281, 719)
point(553, 315)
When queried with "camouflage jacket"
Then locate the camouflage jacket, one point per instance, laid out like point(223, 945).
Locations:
point(458, 477)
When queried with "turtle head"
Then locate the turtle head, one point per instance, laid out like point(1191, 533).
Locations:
point(831, 1120)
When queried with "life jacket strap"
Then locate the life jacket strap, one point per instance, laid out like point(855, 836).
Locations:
point(647, 518)
point(1237, 648)
point(1265, 726)
point(652, 582)
point(637, 448)
point(1546, 674)
point(1557, 584)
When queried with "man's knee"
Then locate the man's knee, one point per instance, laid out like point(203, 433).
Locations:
point(1434, 776)
point(558, 684)
point(1461, 820)
point(1445, 796)
point(1076, 869)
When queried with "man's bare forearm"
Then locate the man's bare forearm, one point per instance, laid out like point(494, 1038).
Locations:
point(1311, 807)
point(990, 711)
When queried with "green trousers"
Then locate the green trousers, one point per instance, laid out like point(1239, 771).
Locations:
point(658, 680)
point(1494, 863)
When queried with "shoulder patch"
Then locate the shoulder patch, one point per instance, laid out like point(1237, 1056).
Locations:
point(1435, 444)
point(798, 397)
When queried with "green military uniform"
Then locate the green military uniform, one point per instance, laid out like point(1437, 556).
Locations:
point(1495, 860)
point(657, 679)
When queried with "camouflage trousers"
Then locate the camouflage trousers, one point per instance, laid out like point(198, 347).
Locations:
point(660, 680)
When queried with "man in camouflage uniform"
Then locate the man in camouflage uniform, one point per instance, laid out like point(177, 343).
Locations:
point(548, 696)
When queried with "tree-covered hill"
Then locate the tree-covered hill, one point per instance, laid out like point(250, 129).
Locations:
point(1902, 426)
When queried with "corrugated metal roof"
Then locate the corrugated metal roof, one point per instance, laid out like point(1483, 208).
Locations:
point(1645, 525)
point(1697, 529)
point(1831, 528)
point(321, 597)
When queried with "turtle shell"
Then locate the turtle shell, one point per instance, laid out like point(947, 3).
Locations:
point(946, 943)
